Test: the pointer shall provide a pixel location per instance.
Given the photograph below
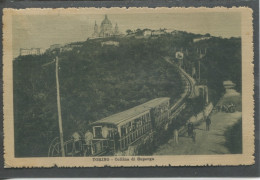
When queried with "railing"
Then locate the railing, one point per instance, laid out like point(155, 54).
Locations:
point(177, 111)
point(73, 148)
point(180, 105)
point(134, 136)
point(99, 146)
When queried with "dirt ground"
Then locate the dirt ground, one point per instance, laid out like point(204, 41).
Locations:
point(207, 142)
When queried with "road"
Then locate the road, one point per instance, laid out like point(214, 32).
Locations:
point(207, 142)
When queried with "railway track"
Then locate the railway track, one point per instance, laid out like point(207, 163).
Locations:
point(176, 108)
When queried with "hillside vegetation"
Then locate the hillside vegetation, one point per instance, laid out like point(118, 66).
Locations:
point(97, 81)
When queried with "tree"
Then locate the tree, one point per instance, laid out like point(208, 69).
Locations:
point(207, 35)
point(128, 31)
point(139, 32)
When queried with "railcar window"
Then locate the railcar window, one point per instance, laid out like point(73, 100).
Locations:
point(123, 131)
point(98, 132)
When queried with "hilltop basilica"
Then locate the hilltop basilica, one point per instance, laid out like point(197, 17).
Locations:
point(106, 29)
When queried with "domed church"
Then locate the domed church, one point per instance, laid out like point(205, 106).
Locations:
point(106, 29)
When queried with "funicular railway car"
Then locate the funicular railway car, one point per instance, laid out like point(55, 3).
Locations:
point(160, 117)
point(116, 133)
point(159, 109)
point(120, 130)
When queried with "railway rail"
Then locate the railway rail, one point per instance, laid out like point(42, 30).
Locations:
point(176, 108)
point(145, 109)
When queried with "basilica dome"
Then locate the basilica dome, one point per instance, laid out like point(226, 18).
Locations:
point(106, 22)
point(106, 28)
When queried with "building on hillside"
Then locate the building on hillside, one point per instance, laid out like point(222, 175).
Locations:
point(32, 51)
point(70, 47)
point(169, 31)
point(73, 45)
point(110, 43)
point(175, 32)
point(42, 51)
point(55, 46)
point(147, 32)
point(66, 48)
point(106, 29)
point(200, 39)
point(158, 32)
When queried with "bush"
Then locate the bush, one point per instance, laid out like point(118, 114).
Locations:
point(233, 137)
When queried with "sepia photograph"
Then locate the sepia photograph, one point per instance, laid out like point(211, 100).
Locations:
point(128, 87)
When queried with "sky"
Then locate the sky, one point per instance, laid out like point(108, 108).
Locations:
point(41, 31)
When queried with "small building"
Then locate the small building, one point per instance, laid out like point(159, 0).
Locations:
point(70, 47)
point(200, 39)
point(74, 45)
point(174, 32)
point(158, 32)
point(168, 31)
point(110, 43)
point(55, 46)
point(32, 51)
point(147, 32)
point(42, 51)
point(66, 48)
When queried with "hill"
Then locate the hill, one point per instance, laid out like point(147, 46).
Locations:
point(95, 81)
point(100, 77)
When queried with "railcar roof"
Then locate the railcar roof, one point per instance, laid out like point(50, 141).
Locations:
point(131, 113)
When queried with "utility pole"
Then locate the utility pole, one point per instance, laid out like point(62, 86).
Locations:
point(59, 107)
point(199, 70)
point(200, 57)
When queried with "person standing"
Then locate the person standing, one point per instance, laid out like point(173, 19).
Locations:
point(190, 129)
point(116, 140)
point(176, 135)
point(194, 136)
point(76, 142)
point(105, 132)
point(88, 140)
point(208, 122)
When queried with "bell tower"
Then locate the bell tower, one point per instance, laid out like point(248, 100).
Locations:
point(95, 34)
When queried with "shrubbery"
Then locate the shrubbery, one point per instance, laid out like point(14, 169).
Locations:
point(233, 137)
point(97, 81)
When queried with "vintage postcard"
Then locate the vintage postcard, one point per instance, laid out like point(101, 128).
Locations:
point(87, 87)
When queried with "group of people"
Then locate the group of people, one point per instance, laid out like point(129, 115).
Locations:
point(77, 142)
point(88, 147)
point(191, 132)
point(190, 129)
point(106, 134)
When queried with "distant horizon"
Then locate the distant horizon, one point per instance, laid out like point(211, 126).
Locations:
point(42, 31)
